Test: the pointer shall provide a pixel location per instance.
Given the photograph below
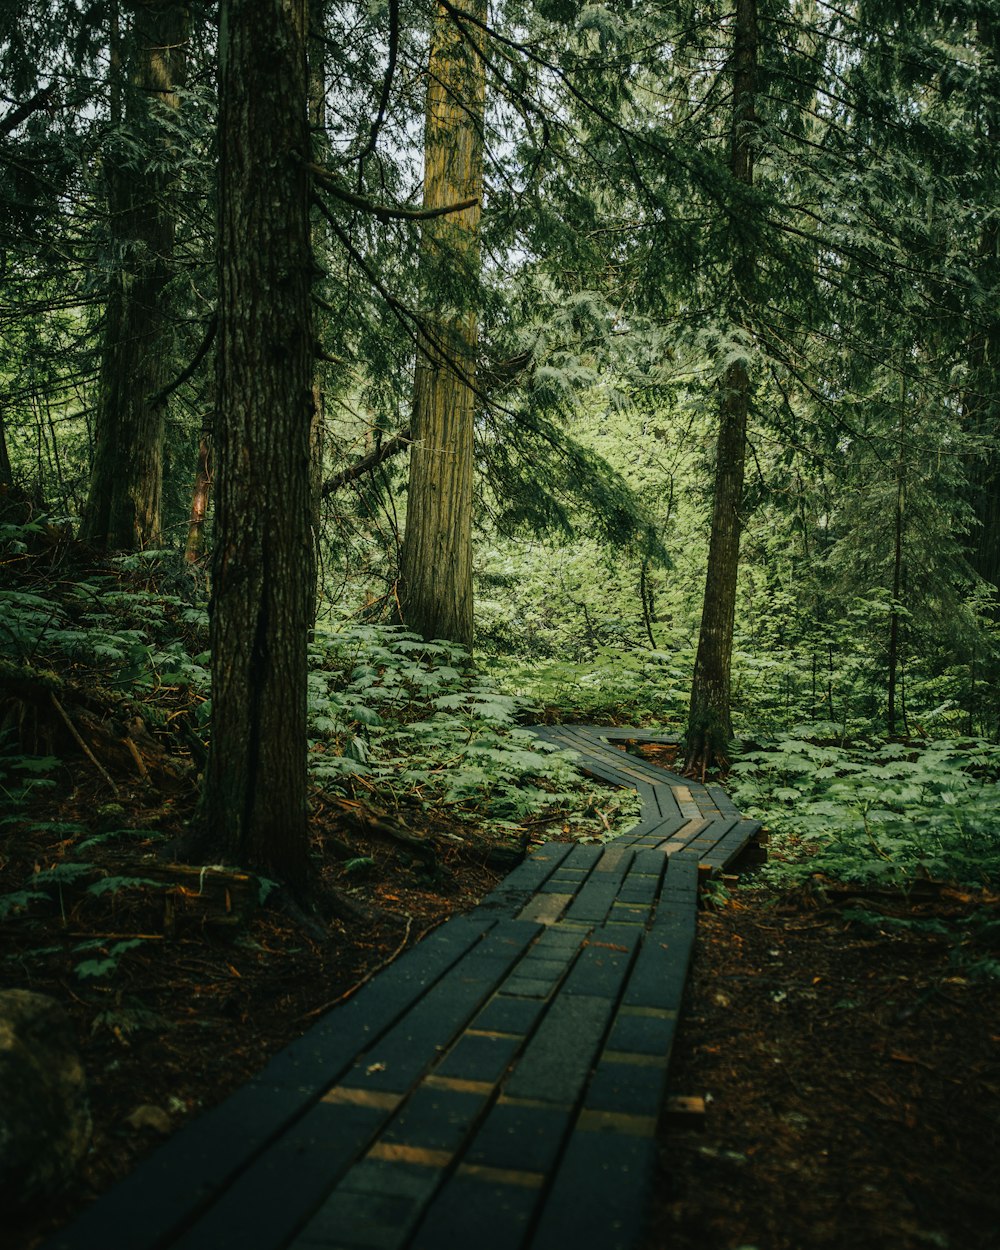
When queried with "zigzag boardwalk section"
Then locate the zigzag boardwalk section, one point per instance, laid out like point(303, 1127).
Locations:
point(498, 1086)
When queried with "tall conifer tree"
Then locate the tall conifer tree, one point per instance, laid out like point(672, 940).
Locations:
point(436, 574)
point(262, 573)
point(709, 720)
point(147, 65)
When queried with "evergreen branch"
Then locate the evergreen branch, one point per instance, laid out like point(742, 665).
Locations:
point(383, 104)
point(368, 463)
point(628, 136)
point(596, 477)
point(189, 372)
point(13, 119)
point(382, 211)
point(421, 337)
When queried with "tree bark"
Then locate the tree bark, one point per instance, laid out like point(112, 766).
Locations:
point(982, 406)
point(200, 495)
point(256, 782)
point(124, 500)
point(710, 726)
point(435, 588)
point(899, 523)
point(6, 469)
point(319, 150)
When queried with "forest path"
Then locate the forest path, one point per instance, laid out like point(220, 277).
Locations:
point(498, 1086)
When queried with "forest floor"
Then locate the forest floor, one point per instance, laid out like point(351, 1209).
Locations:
point(850, 1073)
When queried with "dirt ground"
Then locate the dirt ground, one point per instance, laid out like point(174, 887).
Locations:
point(850, 1075)
point(851, 1078)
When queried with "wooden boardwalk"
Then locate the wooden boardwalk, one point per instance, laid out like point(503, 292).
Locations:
point(496, 1088)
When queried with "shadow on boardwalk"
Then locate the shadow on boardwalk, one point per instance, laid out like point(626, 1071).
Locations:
point(498, 1086)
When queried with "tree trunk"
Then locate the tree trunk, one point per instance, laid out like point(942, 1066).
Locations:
point(256, 783)
point(6, 470)
point(124, 501)
point(897, 567)
point(982, 406)
point(320, 148)
point(982, 421)
point(195, 544)
point(436, 575)
point(710, 725)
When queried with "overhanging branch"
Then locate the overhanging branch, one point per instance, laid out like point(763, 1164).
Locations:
point(383, 211)
point(189, 372)
point(368, 463)
point(13, 119)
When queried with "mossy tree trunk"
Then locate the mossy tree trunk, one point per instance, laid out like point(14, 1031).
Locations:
point(124, 500)
point(262, 572)
point(436, 575)
point(710, 726)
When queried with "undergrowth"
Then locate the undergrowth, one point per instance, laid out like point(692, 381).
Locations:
point(888, 812)
point(613, 686)
point(905, 815)
point(410, 722)
point(394, 721)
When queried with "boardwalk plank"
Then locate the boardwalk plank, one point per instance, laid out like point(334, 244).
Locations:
point(558, 1057)
point(478, 1211)
point(597, 1201)
point(525, 880)
point(301, 1169)
point(497, 1087)
point(722, 801)
point(396, 1060)
point(731, 844)
point(519, 1136)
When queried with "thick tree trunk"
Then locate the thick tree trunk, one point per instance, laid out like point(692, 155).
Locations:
point(710, 725)
point(124, 501)
point(436, 576)
point(320, 148)
point(982, 404)
point(256, 783)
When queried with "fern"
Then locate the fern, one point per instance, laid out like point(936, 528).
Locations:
point(887, 814)
point(412, 719)
point(93, 969)
point(62, 874)
point(18, 900)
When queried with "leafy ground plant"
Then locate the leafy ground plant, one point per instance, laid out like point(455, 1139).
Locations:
point(626, 687)
point(891, 813)
point(412, 722)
